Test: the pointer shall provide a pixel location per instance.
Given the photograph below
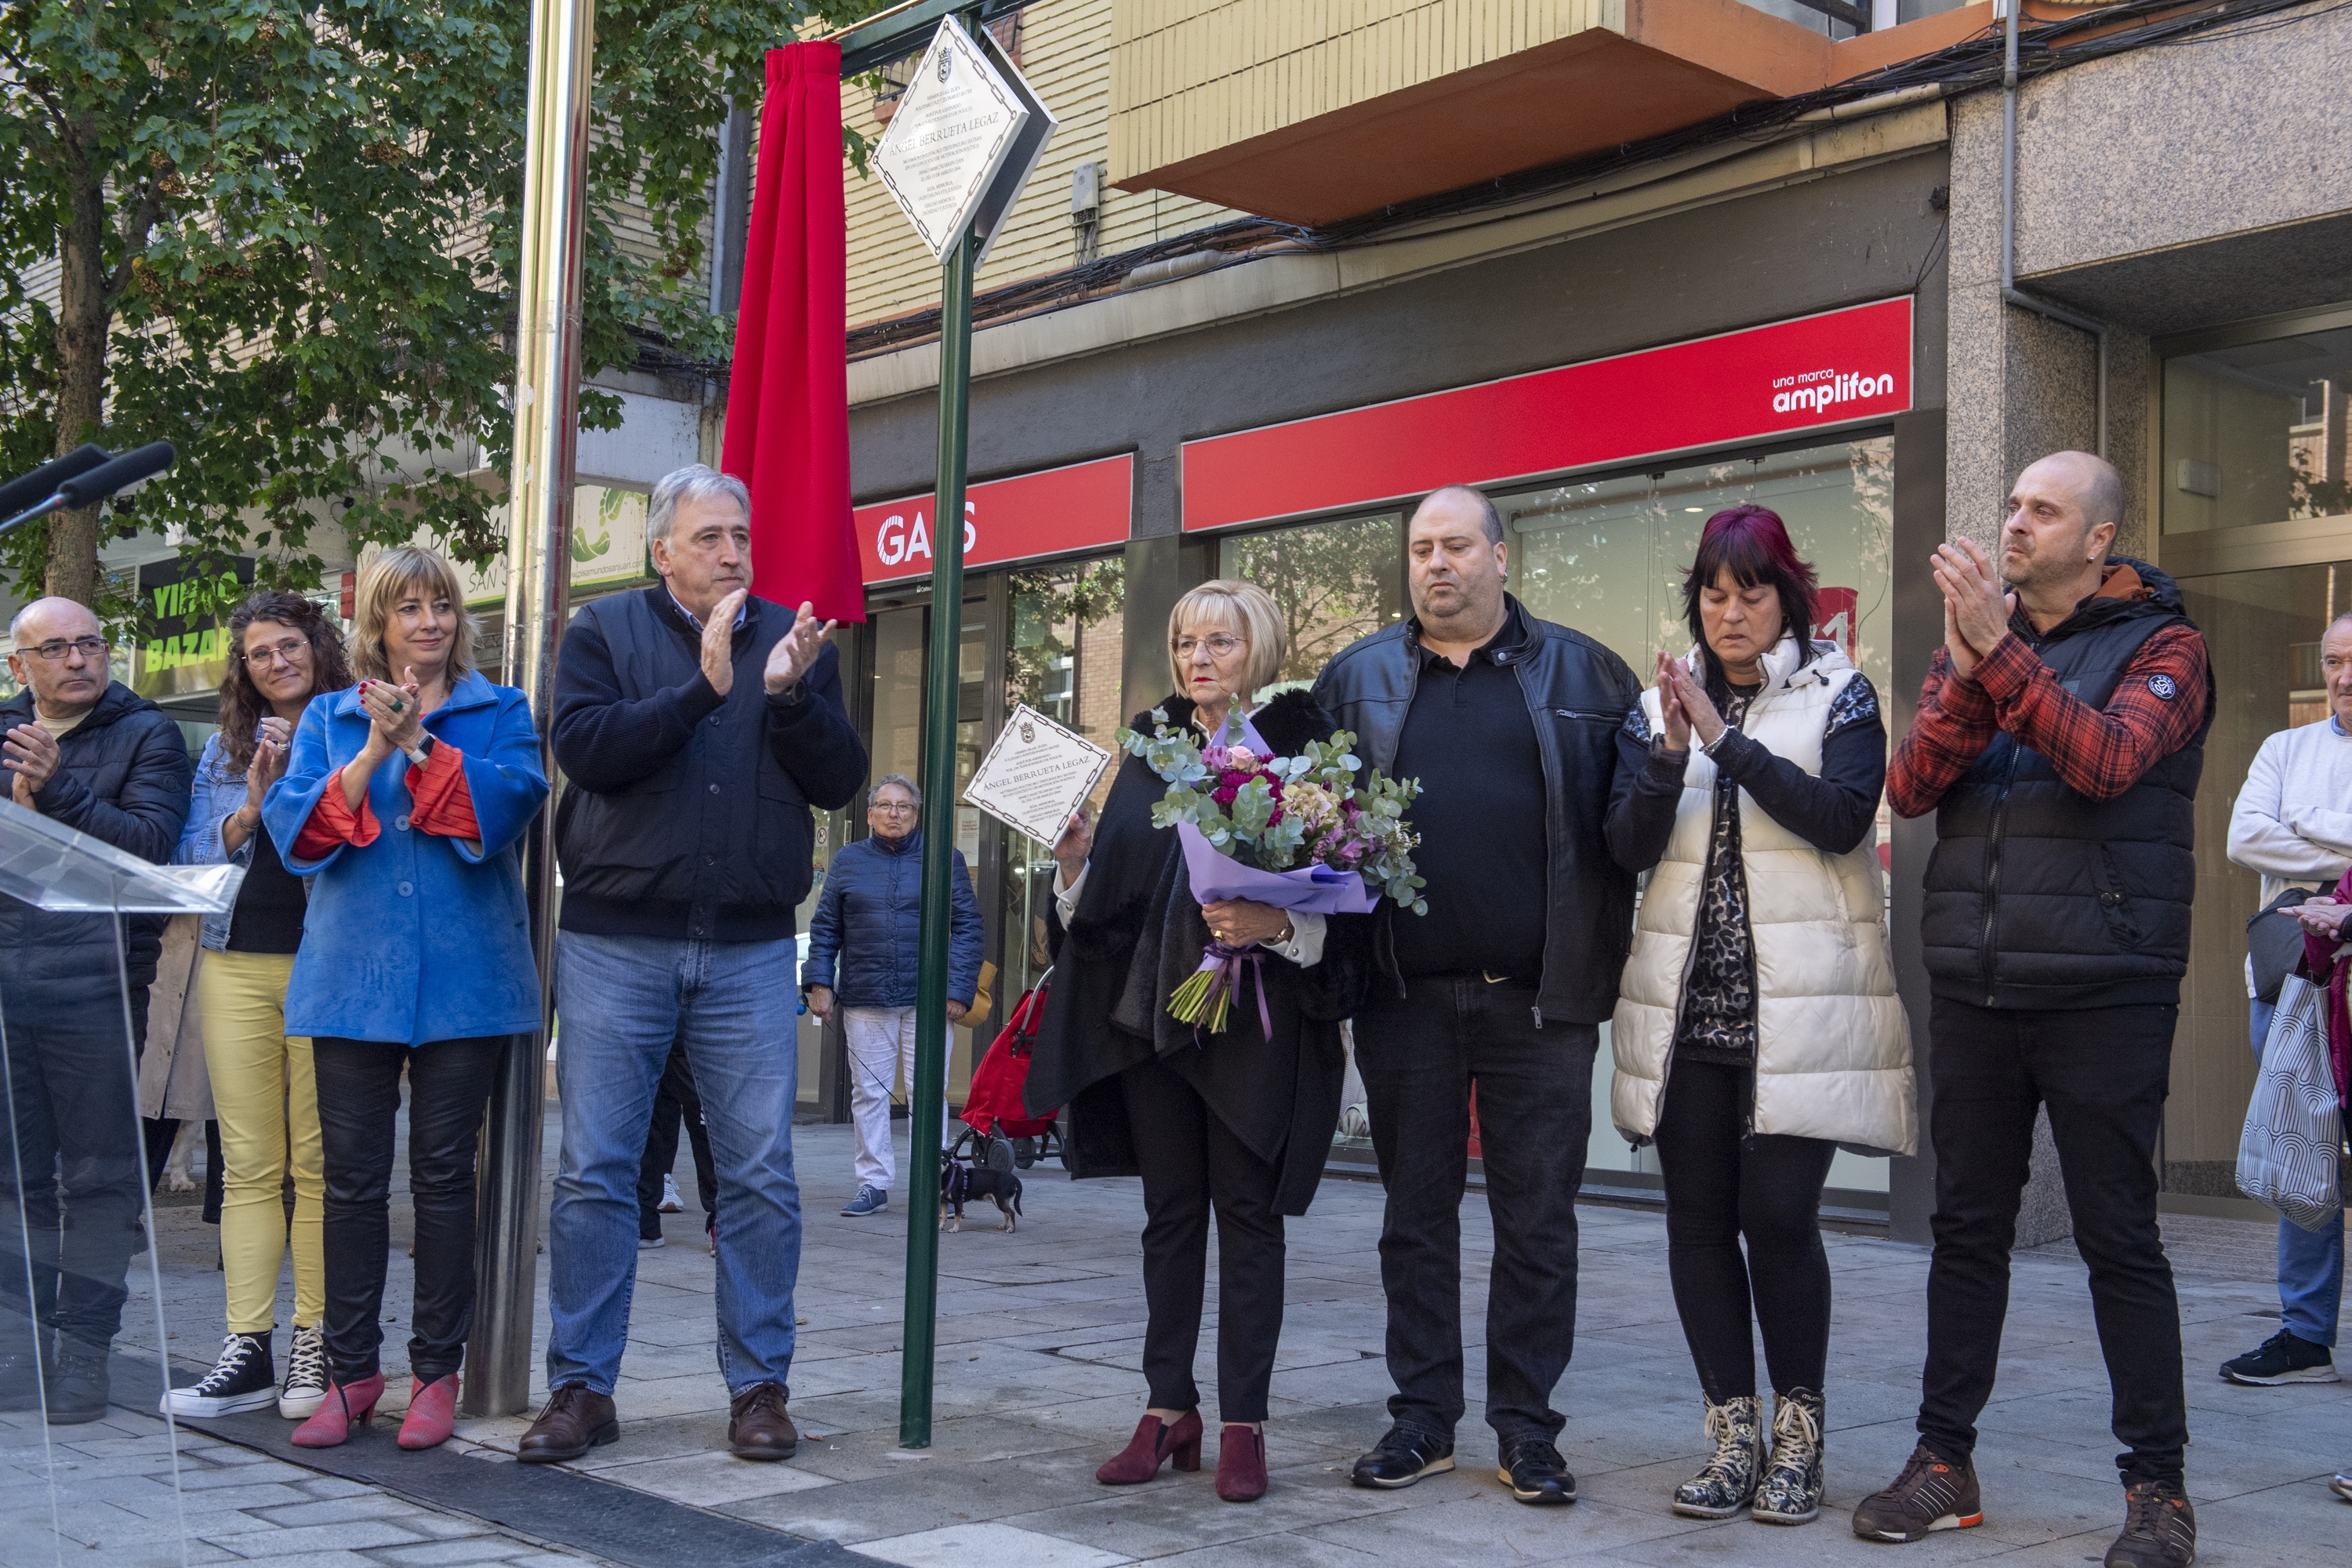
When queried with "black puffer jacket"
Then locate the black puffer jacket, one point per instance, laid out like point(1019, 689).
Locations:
point(1577, 693)
point(123, 776)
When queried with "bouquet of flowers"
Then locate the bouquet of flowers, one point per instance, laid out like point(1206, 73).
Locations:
point(1297, 833)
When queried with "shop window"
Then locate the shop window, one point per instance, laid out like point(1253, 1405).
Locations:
point(2261, 632)
point(1335, 581)
point(1607, 557)
point(2255, 433)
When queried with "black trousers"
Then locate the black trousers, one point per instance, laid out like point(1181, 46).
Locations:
point(2103, 1073)
point(1419, 1057)
point(1192, 1163)
point(74, 1159)
point(1723, 1184)
point(358, 1101)
point(674, 1100)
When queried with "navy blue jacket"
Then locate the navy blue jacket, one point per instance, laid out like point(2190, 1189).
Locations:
point(685, 814)
point(869, 921)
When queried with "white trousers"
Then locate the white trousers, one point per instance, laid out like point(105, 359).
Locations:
point(881, 1051)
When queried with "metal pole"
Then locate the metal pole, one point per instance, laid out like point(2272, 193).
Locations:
point(927, 1102)
point(539, 503)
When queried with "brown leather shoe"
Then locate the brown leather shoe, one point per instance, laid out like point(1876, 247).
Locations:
point(757, 1426)
point(577, 1418)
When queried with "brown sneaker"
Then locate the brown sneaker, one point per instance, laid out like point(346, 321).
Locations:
point(757, 1426)
point(2159, 1529)
point(576, 1419)
point(1931, 1494)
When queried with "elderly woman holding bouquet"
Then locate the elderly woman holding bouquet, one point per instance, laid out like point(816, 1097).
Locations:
point(1756, 1028)
point(1236, 1120)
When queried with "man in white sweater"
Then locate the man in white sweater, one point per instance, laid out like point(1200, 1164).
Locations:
point(2293, 823)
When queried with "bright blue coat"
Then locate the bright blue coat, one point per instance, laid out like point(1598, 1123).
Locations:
point(414, 938)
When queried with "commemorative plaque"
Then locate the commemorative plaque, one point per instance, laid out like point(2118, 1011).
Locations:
point(1035, 774)
point(967, 134)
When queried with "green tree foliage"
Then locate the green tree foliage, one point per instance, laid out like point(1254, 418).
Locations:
point(283, 232)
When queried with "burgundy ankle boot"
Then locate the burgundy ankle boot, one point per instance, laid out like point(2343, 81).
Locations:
point(1154, 1441)
point(1241, 1463)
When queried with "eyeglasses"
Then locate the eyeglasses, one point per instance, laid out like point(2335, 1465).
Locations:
point(1219, 646)
point(893, 807)
point(290, 650)
point(58, 648)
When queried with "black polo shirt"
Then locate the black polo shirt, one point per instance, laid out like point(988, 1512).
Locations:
point(1469, 739)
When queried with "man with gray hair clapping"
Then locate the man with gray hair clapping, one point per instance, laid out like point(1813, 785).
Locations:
point(868, 925)
point(697, 726)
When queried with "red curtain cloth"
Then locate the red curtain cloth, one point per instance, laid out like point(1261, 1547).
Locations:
point(788, 404)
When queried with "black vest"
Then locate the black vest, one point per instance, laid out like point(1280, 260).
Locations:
point(2040, 897)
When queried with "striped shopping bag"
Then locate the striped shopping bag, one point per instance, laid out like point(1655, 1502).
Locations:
point(2291, 1155)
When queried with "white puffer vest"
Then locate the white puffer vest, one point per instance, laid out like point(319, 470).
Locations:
point(1834, 1045)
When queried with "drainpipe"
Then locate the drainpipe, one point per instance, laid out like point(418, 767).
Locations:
point(2009, 292)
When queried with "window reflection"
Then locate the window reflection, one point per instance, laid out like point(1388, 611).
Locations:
point(1335, 581)
point(2256, 432)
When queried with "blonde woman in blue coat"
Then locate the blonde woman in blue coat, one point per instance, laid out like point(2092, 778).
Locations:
point(405, 801)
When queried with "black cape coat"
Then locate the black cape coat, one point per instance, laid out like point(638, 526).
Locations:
point(1136, 935)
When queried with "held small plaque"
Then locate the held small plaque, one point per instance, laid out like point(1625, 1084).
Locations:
point(1036, 775)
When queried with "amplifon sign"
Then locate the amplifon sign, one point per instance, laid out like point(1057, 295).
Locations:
point(1836, 368)
point(1085, 506)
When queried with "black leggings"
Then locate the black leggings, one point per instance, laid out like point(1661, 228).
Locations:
point(358, 1100)
point(1719, 1186)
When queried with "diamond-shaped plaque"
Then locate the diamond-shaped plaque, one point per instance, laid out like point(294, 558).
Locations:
point(961, 124)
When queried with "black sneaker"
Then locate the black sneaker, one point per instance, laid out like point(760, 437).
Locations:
point(2282, 1358)
point(2159, 1529)
point(1536, 1473)
point(1403, 1457)
point(243, 1379)
point(77, 1391)
point(1931, 1494)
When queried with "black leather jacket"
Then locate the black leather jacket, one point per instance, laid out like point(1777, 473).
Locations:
point(1578, 694)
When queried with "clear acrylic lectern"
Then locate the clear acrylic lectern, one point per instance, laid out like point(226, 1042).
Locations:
point(93, 1468)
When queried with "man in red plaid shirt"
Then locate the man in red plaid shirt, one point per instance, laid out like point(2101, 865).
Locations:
point(2058, 740)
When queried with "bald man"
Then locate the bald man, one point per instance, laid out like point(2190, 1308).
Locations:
point(2058, 741)
point(84, 751)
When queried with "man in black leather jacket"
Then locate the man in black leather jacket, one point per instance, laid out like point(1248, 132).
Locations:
point(1508, 721)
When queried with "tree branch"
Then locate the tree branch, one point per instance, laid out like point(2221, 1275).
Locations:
point(136, 230)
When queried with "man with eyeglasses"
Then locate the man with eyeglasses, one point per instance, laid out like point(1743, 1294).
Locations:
point(85, 751)
point(868, 922)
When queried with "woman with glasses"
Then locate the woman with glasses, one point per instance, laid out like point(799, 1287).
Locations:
point(284, 652)
point(866, 924)
point(404, 801)
point(1236, 1123)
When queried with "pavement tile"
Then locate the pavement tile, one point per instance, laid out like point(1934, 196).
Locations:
point(713, 1480)
point(987, 1546)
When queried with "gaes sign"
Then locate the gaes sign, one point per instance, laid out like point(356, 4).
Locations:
point(1056, 511)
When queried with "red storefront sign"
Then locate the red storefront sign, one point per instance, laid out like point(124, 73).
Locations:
point(1082, 507)
point(1825, 370)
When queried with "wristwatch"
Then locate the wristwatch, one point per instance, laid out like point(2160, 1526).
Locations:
point(1289, 933)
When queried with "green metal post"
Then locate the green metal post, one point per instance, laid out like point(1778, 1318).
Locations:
point(927, 1102)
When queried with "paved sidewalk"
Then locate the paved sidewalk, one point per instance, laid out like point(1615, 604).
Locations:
point(1038, 1381)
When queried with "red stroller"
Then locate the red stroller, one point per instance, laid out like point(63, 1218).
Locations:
point(993, 1112)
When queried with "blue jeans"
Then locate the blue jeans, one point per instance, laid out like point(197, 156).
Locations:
point(621, 1000)
point(2310, 1263)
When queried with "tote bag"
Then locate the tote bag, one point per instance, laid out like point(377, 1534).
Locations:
point(2289, 1156)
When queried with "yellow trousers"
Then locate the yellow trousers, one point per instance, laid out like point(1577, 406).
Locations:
point(266, 1099)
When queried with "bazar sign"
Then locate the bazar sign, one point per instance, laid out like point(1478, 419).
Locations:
point(1835, 368)
point(1082, 507)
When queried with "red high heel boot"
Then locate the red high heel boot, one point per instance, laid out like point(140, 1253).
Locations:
point(345, 1406)
point(1154, 1441)
point(1241, 1463)
point(431, 1412)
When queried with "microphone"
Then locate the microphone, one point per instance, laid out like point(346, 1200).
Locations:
point(139, 463)
point(96, 483)
point(43, 481)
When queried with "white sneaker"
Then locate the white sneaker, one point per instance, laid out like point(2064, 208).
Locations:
point(242, 1379)
point(305, 1388)
point(671, 1203)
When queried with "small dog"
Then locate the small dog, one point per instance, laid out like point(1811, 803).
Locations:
point(960, 1182)
point(179, 1173)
